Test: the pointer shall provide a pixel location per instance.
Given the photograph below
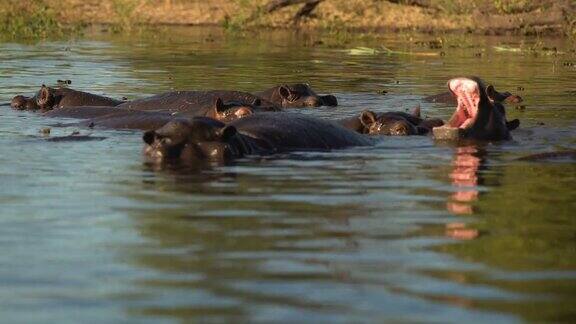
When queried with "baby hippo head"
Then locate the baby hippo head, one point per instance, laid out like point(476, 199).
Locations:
point(386, 125)
point(191, 142)
point(302, 95)
point(44, 100)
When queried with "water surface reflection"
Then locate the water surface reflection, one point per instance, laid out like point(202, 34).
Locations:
point(409, 230)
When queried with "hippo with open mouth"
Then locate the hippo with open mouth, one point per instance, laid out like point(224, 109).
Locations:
point(50, 98)
point(296, 95)
point(204, 139)
point(478, 115)
point(502, 97)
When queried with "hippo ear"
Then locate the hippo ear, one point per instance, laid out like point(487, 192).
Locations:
point(284, 92)
point(219, 105)
point(491, 93)
point(416, 111)
point(257, 102)
point(227, 132)
point(367, 118)
point(149, 137)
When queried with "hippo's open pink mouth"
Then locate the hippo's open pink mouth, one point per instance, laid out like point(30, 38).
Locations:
point(467, 94)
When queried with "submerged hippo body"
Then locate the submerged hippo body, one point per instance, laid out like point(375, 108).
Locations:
point(478, 116)
point(296, 95)
point(131, 119)
point(113, 118)
point(82, 112)
point(126, 118)
point(217, 110)
point(393, 123)
point(50, 98)
point(203, 139)
point(197, 103)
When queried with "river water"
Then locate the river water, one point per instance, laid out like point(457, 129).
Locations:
point(407, 231)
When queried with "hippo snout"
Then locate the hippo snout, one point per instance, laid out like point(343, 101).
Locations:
point(216, 152)
point(329, 100)
point(19, 102)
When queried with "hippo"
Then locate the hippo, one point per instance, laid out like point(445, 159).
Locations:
point(82, 112)
point(49, 98)
point(478, 116)
point(501, 97)
point(296, 95)
point(203, 139)
point(112, 118)
point(197, 103)
point(132, 119)
point(394, 123)
point(218, 110)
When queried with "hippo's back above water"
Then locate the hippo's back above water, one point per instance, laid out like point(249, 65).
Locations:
point(181, 101)
point(83, 112)
point(292, 131)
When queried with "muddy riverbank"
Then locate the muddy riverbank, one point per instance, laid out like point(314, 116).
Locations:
point(518, 17)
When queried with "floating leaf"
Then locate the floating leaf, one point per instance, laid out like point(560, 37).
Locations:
point(363, 51)
point(507, 49)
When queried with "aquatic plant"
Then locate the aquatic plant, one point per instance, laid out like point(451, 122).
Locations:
point(25, 19)
point(125, 15)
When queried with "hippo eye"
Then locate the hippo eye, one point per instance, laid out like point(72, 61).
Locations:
point(376, 128)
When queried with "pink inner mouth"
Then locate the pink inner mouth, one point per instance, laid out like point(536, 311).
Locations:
point(467, 94)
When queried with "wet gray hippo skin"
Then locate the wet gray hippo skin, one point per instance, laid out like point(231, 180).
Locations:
point(296, 95)
point(203, 139)
point(131, 119)
point(50, 98)
point(478, 116)
point(393, 123)
point(197, 103)
point(113, 118)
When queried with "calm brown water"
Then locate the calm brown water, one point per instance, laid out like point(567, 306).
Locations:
point(408, 231)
